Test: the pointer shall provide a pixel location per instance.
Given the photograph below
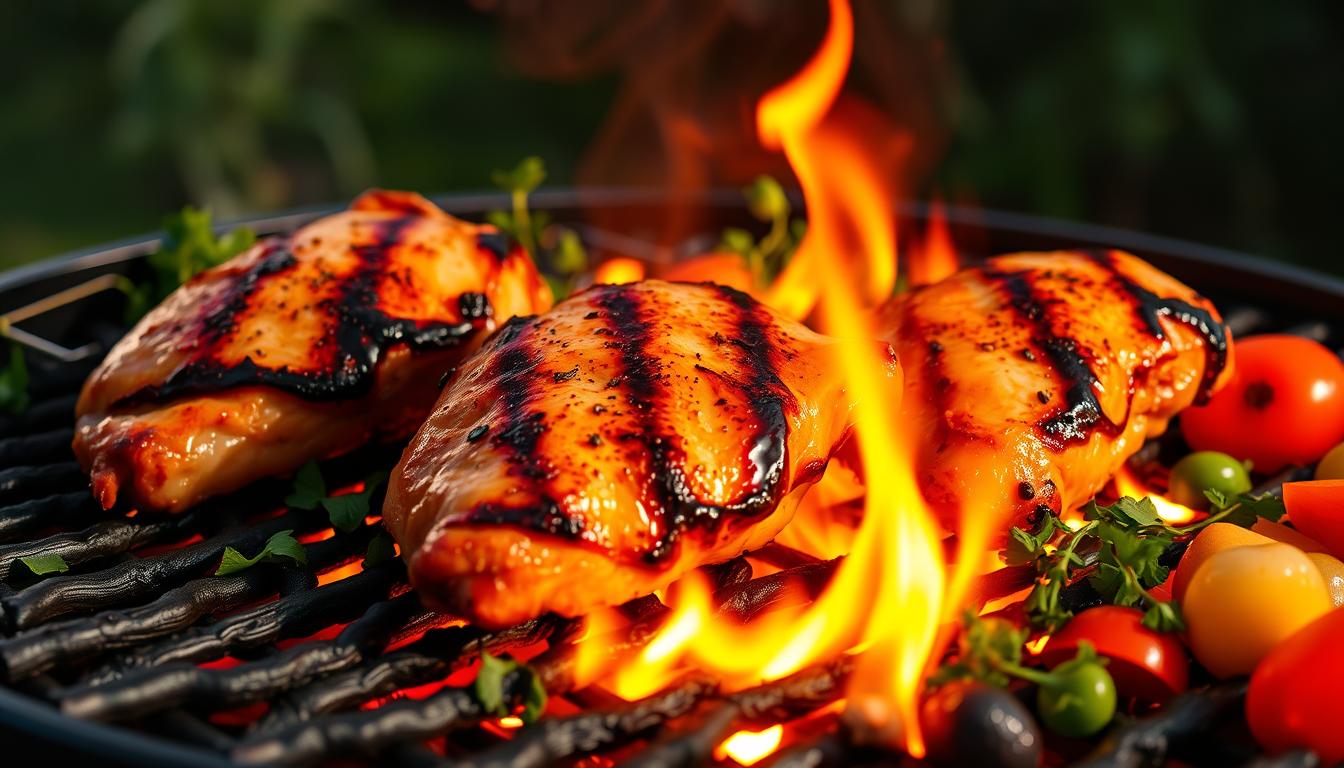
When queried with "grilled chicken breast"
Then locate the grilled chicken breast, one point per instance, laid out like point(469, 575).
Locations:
point(1039, 374)
point(597, 452)
point(302, 347)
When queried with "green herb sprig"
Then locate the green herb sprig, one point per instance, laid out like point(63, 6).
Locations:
point(280, 547)
point(557, 250)
point(498, 694)
point(989, 650)
point(346, 511)
point(767, 203)
point(189, 247)
point(14, 397)
point(1129, 538)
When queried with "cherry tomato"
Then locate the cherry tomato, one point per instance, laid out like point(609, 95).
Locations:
point(1283, 405)
point(1213, 539)
point(1332, 570)
point(1331, 466)
point(728, 269)
point(1244, 601)
point(1294, 700)
point(1146, 665)
point(1206, 471)
point(1316, 508)
point(1080, 701)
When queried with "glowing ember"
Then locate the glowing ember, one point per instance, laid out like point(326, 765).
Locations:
point(750, 747)
point(510, 722)
point(1128, 484)
point(619, 271)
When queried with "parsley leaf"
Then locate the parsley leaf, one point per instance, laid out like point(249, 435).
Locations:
point(1126, 512)
point(14, 383)
point(41, 565)
point(189, 247)
point(1164, 616)
point(381, 549)
point(1245, 509)
point(282, 545)
point(347, 512)
point(309, 488)
point(1024, 547)
point(490, 688)
point(558, 250)
point(984, 648)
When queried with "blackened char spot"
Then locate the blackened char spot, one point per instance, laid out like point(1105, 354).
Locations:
point(1080, 413)
point(360, 329)
point(546, 516)
point(496, 244)
point(1151, 307)
point(474, 306)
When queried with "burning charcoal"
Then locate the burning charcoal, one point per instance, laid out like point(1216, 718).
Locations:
point(968, 723)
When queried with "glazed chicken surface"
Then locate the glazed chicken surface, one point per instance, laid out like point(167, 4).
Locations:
point(302, 347)
point(597, 452)
point(1037, 375)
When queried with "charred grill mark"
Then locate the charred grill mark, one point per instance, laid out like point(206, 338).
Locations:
point(360, 329)
point(1080, 413)
point(1151, 307)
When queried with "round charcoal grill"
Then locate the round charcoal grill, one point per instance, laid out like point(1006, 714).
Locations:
point(138, 654)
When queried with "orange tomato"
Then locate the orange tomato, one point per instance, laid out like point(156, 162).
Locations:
point(1316, 508)
point(1283, 405)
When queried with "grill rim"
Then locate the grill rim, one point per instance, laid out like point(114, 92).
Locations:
point(1198, 263)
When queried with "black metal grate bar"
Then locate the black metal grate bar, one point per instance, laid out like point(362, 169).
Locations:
point(111, 537)
point(29, 482)
point(169, 685)
point(136, 579)
point(26, 517)
point(44, 647)
point(50, 446)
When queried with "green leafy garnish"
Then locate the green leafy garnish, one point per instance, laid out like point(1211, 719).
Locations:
point(347, 511)
point(14, 383)
point(281, 546)
point(1129, 539)
point(41, 565)
point(492, 688)
point(309, 488)
point(381, 550)
point(765, 258)
point(986, 648)
point(557, 250)
point(189, 247)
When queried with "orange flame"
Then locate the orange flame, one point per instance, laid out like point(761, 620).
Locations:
point(892, 596)
point(935, 257)
point(1127, 483)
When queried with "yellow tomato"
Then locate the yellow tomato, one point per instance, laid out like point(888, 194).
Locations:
point(1332, 464)
point(1332, 570)
point(1210, 541)
point(1242, 601)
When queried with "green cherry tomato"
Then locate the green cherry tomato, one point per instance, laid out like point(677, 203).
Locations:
point(1079, 701)
point(1207, 471)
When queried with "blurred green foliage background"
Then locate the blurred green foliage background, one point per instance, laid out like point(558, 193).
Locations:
point(1214, 121)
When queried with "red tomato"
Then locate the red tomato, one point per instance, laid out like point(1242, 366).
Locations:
point(1146, 665)
point(1316, 508)
point(1283, 405)
point(1294, 696)
point(728, 269)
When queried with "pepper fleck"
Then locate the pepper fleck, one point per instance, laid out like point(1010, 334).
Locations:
point(477, 432)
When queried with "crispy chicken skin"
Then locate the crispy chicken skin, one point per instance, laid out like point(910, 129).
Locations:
point(303, 347)
point(597, 452)
point(1038, 374)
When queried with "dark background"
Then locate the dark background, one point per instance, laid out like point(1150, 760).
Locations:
point(1213, 121)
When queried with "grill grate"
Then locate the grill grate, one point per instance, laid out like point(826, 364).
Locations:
point(300, 666)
